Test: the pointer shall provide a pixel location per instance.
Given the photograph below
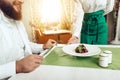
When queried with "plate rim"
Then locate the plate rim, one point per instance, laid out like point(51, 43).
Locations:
point(99, 50)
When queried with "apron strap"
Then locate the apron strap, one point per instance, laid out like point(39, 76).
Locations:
point(93, 18)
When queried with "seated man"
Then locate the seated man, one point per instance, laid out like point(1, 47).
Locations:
point(15, 48)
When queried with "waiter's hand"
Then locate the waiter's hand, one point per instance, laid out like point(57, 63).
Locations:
point(28, 64)
point(73, 40)
point(49, 44)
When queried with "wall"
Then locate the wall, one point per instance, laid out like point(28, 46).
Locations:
point(110, 26)
point(26, 17)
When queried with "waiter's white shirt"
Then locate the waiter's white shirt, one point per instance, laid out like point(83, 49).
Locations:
point(96, 5)
point(88, 6)
point(78, 14)
point(14, 45)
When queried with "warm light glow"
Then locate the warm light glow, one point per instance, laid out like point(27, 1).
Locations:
point(51, 10)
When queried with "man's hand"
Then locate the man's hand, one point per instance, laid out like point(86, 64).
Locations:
point(28, 63)
point(73, 40)
point(49, 44)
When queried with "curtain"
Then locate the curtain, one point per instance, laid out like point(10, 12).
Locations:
point(67, 14)
point(65, 20)
point(66, 17)
point(34, 21)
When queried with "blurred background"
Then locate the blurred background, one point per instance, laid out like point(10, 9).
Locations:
point(40, 16)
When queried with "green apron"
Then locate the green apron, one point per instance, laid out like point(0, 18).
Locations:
point(94, 28)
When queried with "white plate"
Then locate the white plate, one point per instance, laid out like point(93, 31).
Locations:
point(92, 50)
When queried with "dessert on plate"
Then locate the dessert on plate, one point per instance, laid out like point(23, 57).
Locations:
point(81, 49)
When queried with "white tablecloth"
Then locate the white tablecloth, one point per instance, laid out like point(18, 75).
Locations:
point(45, 72)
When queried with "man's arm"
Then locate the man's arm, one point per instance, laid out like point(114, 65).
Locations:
point(28, 64)
point(7, 70)
point(37, 48)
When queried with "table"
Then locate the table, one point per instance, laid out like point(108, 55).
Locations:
point(59, 58)
point(61, 36)
point(53, 72)
point(59, 33)
point(68, 73)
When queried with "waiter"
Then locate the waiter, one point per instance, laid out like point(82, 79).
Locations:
point(94, 27)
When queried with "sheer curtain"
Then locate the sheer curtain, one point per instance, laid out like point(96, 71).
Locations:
point(67, 14)
point(65, 20)
point(35, 17)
